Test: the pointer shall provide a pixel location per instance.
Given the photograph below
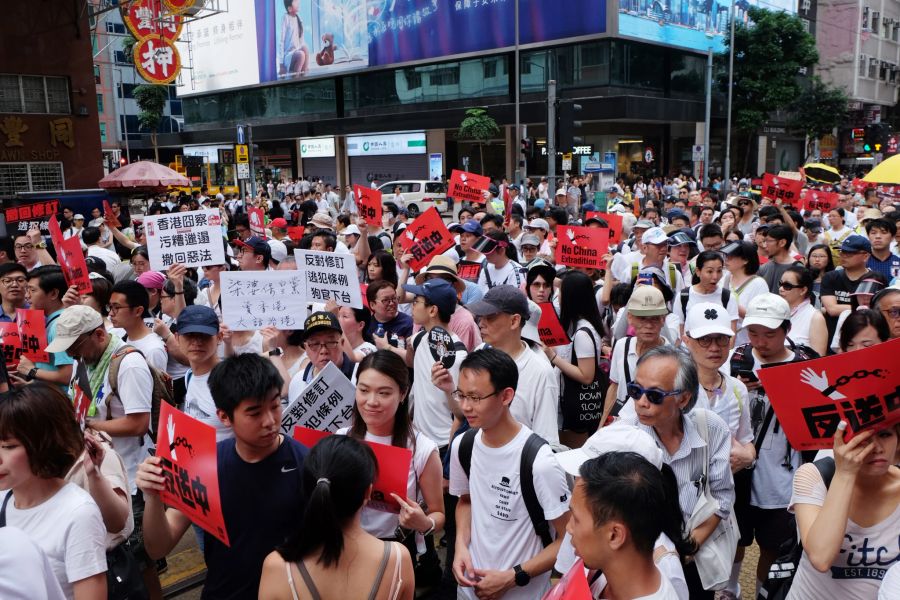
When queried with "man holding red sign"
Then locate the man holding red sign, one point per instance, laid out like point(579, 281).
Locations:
point(781, 189)
point(259, 475)
point(427, 236)
point(368, 202)
point(45, 289)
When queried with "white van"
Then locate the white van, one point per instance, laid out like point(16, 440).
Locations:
point(418, 196)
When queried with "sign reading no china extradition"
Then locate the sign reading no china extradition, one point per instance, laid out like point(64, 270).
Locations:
point(193, 239)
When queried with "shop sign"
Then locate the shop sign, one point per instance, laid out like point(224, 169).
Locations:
point(149, 17)
point(386, 144)
point(317, 147)
point(157, 59)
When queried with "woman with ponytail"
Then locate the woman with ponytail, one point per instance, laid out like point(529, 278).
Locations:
point(330, 556)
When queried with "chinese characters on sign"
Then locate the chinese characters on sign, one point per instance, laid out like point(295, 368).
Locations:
point(156, 59)
point(811, 398)
point(12, 346)
point(71, 259)
point(29, 216)
point(193, 239)
point(468, 187)
point(188, 451)
point(781, 188)
point(32, 334)
point(257, 222)
point(824, 201)
point(255, 299)
point(326, 404)
point(368, 203)
point(427, 236)
point(329, 276)
point(581, 246)
point(148, 17)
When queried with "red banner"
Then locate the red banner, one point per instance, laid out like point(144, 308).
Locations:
point(859, 186)
point(73, 265)
point(12, 346)
point(257, 222)
point(295, 232)
point(32, 334)
point(781, 188)
point(549, 327)
point(468, 187)
point(111, 219)
point(581, 246)
point(393, 469)
point(427, 236)
point(469, 270)
point(572, 586)
point(188, 451)
point(368, 203)
point(29, 216)
point(810, 398)
point(615, 224)
point(816, 200)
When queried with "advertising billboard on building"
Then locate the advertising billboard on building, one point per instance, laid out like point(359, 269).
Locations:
point(691, 24)
point(261, 41)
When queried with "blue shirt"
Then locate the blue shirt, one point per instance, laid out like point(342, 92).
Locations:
point(889, 268)
point(57, 359)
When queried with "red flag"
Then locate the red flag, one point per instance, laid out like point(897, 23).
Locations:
point(615, 224)
point(12, 346)
point(581, 246)
point(425, 237)
point(814, 199)
point(188, 451)
point(111, 219)
point(32, 334)
point(73, 265)
point(549, 327)
point(257, 222)
point(781, 188)
point(468, 187)
point(572, 586)
point(368, 203)
point(810, 398)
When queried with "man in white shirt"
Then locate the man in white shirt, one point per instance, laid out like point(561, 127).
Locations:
point(499, 550)
point(91, 238)
point(498, 268)
point(504, 313)
point(128, 304)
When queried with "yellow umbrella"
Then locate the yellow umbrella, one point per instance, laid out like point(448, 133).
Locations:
point(887, 172)
point(821, 173)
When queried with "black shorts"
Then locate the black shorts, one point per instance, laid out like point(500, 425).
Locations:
point(771, 527)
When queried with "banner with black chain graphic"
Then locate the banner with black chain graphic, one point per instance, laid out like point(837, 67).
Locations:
point(811, 398)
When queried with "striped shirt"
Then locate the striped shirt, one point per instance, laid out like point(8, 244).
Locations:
point(687, 462)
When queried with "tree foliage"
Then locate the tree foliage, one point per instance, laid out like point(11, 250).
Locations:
point(480, 127)
point(151, 101)
point(818, 109)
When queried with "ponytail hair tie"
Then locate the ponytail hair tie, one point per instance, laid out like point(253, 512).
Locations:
point(324, 480)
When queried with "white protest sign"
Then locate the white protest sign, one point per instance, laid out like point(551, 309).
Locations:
point(329, 276)
point(255, 299)
point(193, 239)
point(326, 404)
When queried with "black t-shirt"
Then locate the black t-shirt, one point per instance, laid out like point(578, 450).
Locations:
point(836, 283)
point(262, 504)
point(401, 325)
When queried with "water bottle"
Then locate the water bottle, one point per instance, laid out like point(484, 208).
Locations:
point(379, 330)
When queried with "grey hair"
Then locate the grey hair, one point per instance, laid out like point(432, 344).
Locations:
point(686, 379)
point(882, 294)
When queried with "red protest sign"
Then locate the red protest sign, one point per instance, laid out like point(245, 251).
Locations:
point(12, 346)
point(615, 224)
point(811, 398)
point(111, 219)
point(468, 270)
point(82, 403)
point(32, 334)
point(427, 236)
point(295, 232)
point(573, 585)
point(73, 265)
point(581, 246)
point(393, 469)
point(468, 187)
point(368, 203)
point(257, 222)
point(859, 186)
point(188, 451)
point(363, 288)
point(781, 188)
point(549, 327)
point(816, 200)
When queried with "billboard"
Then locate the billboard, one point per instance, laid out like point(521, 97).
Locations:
point(383, 144)
point(260, 41)
point(691, 24)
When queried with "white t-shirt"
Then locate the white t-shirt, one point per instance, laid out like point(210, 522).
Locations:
point(431, 413)
point(746, 292)
point(695, 297)
point(154, 350)
point(383, 524)
point(510, 274)
point(584, 346)
point(27, 573)
point(502, 534)
point(135, 390)
point(110, 258)
point(199, 403)
point(69, 529)
point(732, 403)
point(617, 373)
point(366, 348)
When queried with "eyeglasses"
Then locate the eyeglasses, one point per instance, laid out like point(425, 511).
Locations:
point(13, 280)
point(24, 246)
point(744, 203)
point(389, 300)
point(460, 397)
point(317, 346)
point(654, 395)
point(893, 313)
point(111, 308)
point(707, 340)
point(789, 286)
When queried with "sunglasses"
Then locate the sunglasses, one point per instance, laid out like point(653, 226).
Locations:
point(789, 286)
point(654, 395)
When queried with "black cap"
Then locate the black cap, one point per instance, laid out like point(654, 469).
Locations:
point(320, 321)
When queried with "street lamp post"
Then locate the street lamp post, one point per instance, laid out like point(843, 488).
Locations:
point(727, 170)
point(516, 71)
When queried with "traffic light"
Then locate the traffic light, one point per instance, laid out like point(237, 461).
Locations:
point(568, 126)
point(876, 137)
point(123, 161)
point(528, 148)
point(869, 138)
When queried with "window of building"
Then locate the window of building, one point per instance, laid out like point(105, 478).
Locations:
point(865, 18)
point(34, 94)
point(97, 74)
point(10, 95)
point(112, 27)
point(413, 79)
point(444, 76)
point(30, 177)
point(490, 69)
point(863, 61)
point(100, 103)
point(873, 67)
point(876, 18)
point(57, 95)
point(892, 74)
point(102, 132)
point(119, 57)
point(882, 71)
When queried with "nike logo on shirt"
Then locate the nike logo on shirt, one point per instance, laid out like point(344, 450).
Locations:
point(286, 470)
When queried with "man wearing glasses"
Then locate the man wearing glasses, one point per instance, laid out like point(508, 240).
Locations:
point(322, 340)
point(887, 302)
point(387, 320)
point(839, 285)
point(13, 280)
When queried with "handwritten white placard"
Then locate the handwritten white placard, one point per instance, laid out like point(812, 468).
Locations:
point(255, 299)
point(193, 239)
point(329, 276)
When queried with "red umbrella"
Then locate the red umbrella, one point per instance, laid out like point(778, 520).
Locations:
point(144, 174)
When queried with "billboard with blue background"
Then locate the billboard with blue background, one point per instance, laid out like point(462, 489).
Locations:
point(295, 39)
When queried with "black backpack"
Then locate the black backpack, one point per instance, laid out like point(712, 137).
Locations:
point(526, 478)
point(686, 293)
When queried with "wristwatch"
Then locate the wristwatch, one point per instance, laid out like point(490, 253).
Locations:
point(41, 245)
point(276, 352)
point(522, 576)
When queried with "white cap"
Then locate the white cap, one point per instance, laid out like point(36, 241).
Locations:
point(351, 230)
point(278, 250)
point(78, 216)
point(707, 318)
point(618, 437)
point(768, 310)
point(655, 236)
point(530, 328)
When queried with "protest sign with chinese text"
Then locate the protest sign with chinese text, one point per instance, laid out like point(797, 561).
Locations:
point(32, 334)
point(326, 404)
point(368, 204)
point(781, 188)
point(111, 219)
point(73, 265)
point(816, 200)
point(190, 467)
point(23, 217)
point(425, 237)
point(257, 220)
point(614, 221)
point(581, 246)
point(549, 327)
point(393, 469)
point(252, 300)
point(469, 270)
point(193, 239)
point(329, 276)
point(12, 346)
point(812, 397)
point(468, 187)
